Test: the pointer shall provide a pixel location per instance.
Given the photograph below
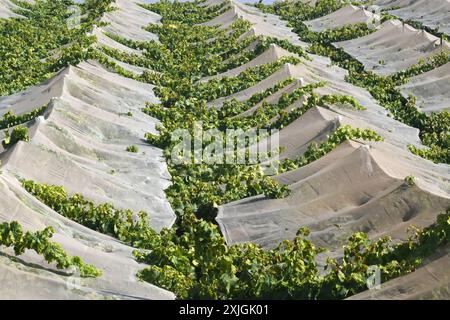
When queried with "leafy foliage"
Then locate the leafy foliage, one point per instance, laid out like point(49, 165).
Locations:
point(12, 235)
point(9, 119)
point(104, 218)
point(19, 133)
point(189, 12)
point(133, 149)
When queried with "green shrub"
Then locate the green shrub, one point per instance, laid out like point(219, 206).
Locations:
point(410, 181)
point(19, 133)
point(133, 149)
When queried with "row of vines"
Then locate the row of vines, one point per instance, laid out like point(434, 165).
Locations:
point(32, 49)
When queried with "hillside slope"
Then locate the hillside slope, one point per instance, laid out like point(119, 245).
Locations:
point(360, 158)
